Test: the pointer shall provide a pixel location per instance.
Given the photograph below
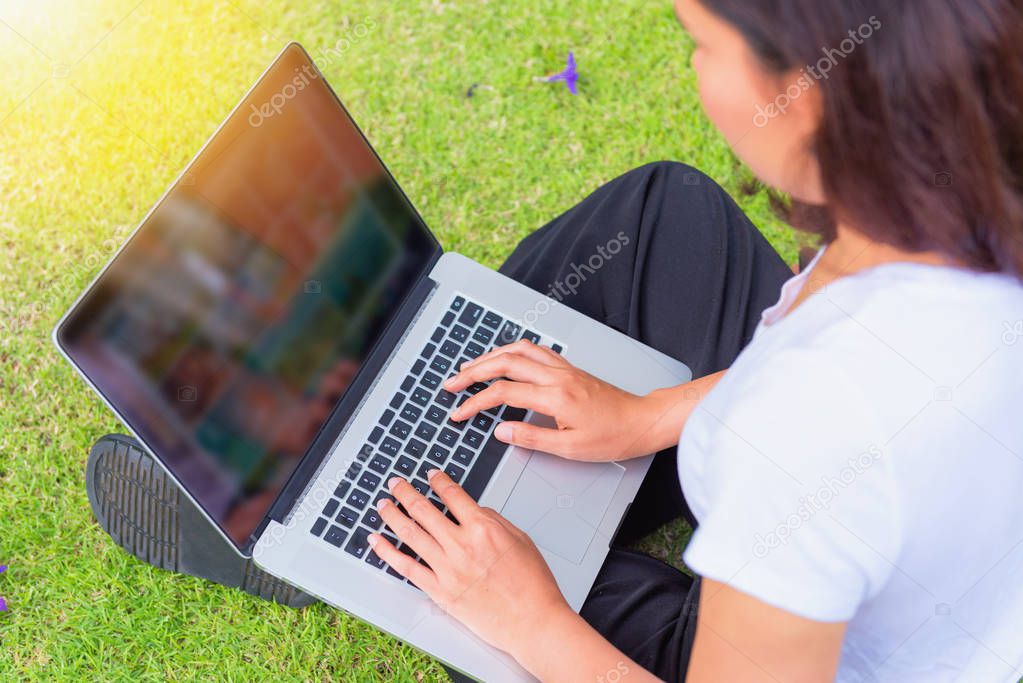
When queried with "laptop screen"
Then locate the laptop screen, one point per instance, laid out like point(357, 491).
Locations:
point(237, 315)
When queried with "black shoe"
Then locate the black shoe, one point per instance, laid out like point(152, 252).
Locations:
point(146, 513)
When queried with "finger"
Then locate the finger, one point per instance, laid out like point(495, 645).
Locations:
point(556, 441)
point(460, 503)
point(402, 563)
point(511, 365)
point(421, 510)
point(506, 392)
point(410, 533)
point(524, 347)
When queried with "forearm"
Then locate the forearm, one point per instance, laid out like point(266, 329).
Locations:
point(666, 411)
point(568, 649)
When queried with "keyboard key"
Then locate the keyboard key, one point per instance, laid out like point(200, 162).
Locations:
point(430, 381)
point(509, 333)
point(358, 499)
point(397, 400)
point(459, 333)
point(330, 508)
point(474, 350)
point(415, 448)
point(445, 398)
point(342, 489)
point(372, 519)
point(410, 413)
point(426, 431)
point(472, 438)
point(483, 335)
point(428, 351)
point(401, 429)
point(459, 426)
point(437, 335)
point(390, 446)
point(380, 464)
point(440, 364)
point(464, 455)
point(455, 472)
point(448, 318)
point(405, 465)
point(556, 348)
point(386, 418)
point(418, 366)
point(420, 485)
point(470, 315)
point(353, 471)
point(335, 536)
point(369, 481)
point(359, 543)
point(380, 496)
point(450, 348)
point(435, 414)
point(448, 437)
point(318, 526)
point(531, 336)
point(438, 454)
point(421, 396)
point(374, 436)
point(461, 362)
point(364, 453)
point(479, 475)
point(373, 559)
point(492, 320)
point(482, 422)
point(511, 414)
point(457, 304)
point(475, 388)
point(347, 517)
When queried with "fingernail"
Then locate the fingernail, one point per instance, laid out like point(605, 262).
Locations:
point(382, 503)
point(456, 414)
point(392, 482)
point(450, 381)
point(432, 473)
point(504, 432)
point(373, 540)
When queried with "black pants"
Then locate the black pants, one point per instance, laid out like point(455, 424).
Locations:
point(664, 255)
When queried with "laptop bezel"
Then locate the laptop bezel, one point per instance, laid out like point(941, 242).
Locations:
point(314, 449)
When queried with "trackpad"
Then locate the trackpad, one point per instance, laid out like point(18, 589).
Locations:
point(560, 503)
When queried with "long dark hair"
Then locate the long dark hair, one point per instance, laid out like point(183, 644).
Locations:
point(921, 139)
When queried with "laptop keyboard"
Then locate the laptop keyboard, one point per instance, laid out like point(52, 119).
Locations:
point(414, 434)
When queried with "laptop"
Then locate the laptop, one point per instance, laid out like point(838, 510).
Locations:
point(276, 331)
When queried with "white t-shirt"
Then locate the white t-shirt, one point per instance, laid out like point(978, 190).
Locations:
point(862, 461)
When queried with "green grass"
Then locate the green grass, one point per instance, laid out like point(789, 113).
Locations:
point(87, 146)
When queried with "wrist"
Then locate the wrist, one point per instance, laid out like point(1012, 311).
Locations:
point(545, 638)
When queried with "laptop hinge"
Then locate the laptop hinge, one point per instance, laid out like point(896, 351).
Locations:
point(346, 408)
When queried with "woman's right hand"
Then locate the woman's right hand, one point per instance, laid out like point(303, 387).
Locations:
point(595, 420)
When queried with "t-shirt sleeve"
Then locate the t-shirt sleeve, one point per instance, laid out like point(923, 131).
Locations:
point(797, 498)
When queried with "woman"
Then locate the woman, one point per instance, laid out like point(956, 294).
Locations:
point(849, 453)
point(855, 473)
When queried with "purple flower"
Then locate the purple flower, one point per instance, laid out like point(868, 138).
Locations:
point(570, 75)
point(3, 603)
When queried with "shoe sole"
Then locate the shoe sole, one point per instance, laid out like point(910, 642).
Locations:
point(144, 511)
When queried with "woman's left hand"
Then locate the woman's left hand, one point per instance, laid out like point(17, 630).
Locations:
point(483, 571)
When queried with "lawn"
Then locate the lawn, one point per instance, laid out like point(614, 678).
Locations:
point(101, 105)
